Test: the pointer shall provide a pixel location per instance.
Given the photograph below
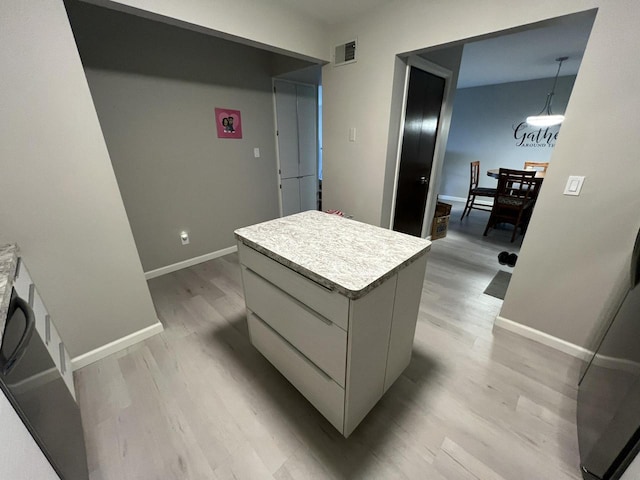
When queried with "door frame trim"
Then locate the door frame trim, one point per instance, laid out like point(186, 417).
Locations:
point(275, 132)
point(442, 134)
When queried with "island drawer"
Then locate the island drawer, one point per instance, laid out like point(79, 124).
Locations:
point(320, 340)
point(44, 327)
point(323, 393)
point(326, 302)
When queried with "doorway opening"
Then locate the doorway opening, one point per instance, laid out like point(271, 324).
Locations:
point(427, 92)
point(497, 81)
point(297, 101)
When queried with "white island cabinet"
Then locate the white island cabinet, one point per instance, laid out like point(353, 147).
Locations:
point(332, 303)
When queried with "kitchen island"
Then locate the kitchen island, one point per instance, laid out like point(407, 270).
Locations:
point(332, 303)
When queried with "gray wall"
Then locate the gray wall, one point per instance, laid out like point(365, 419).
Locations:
point(483, 128)
point(58, 195)
point(155, 88)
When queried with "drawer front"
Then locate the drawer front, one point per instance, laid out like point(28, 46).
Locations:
point(321, 341)
point(45, 328)
point(327, 303)
point(22, 282)
point(65, 368)
point(323, 393)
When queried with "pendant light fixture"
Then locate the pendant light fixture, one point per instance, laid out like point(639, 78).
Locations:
point(546, 118)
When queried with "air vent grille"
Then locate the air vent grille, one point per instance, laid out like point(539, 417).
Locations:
point(345, 53)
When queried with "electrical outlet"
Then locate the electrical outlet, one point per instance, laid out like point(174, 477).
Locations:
point(184, 238)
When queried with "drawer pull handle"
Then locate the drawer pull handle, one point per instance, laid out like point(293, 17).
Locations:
point(32, 294)
point(18, 265)
point(47, 329)
point(63, 363)
point(315, 314)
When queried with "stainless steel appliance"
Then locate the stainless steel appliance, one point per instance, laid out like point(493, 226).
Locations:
point(36, 389)
point(609, 392)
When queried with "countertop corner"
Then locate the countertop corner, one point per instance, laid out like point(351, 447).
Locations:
point(8, 263)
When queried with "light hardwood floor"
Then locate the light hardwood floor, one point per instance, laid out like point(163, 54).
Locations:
point(199, 402)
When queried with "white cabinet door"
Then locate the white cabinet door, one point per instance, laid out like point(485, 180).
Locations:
point(297, 118)
point(308, 193)
point(307, 130)
point(290, 193)
point(287, 118)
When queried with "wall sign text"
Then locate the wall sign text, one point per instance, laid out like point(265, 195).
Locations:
point(525, 136)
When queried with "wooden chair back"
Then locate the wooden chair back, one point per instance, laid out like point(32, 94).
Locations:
point(538, 166)
point(515, 198)
point(475, 191)
point(475, 175)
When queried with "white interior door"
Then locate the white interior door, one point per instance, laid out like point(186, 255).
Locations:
point(296, 108)
point(287, 128)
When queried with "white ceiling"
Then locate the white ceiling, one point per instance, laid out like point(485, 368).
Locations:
point(332, 12)
point(525, 55)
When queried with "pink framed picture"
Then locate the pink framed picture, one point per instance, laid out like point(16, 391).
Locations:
point(228, 123)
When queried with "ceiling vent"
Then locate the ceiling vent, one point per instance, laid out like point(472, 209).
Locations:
point(345, 53)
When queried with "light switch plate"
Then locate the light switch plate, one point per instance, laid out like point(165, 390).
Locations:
point(574, 185)
point(256, 152)
point(352, 134)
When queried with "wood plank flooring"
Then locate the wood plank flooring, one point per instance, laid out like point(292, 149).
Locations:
point(199, 402)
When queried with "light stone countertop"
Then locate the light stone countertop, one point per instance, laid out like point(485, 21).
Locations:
point(8, 264)
point(338, 253)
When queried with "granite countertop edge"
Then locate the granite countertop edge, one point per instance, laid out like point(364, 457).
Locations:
point(8, 263)
point(331, 285)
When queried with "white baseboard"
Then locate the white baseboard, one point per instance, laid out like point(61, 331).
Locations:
point(543, 338)
point(115, 346)
point(613, 363)
point(190, 262)
point(488, 203)
point(451, 199)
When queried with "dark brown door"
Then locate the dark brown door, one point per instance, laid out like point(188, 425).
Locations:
point(424, 102)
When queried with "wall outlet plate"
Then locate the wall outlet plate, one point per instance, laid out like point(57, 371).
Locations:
point(184, 238)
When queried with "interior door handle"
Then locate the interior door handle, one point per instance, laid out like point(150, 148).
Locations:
point(423, 180)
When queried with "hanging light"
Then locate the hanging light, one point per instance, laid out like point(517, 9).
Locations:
point(546, 118)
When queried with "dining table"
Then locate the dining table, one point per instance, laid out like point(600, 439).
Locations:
point(495, 173)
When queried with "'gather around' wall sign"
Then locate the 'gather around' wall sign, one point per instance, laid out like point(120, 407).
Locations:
point(526, 136)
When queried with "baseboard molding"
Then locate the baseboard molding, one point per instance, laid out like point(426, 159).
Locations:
point(620, 364)
point(115, 346)
point(543, 338)
point(449, 198)
point(188, 263)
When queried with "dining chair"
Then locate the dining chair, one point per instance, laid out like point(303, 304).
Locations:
point(513, 205)
point(476, 191)
point(538, 166)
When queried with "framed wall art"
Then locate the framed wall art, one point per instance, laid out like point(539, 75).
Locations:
point(228, 123)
